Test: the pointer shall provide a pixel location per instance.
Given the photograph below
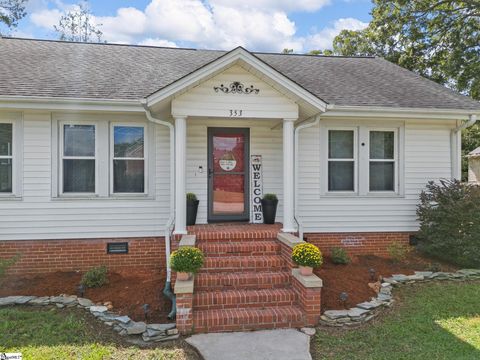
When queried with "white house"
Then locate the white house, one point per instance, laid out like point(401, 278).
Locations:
point(100, 143)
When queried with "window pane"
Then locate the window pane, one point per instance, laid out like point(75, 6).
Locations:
point(340, 176)
point(128, 142)
point(5, 175)
point(128, 176)
point(340, 144)
point(382, 176)
point(5, 139)
point(78, 176)
point(79, 140)
point(382, 144)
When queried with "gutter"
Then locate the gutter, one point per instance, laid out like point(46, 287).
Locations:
point(297, 130)
point(456, 145)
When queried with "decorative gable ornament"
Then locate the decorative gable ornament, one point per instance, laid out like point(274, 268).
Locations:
point(236, 87)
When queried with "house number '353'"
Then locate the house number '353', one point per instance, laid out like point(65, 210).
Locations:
point(236, 113)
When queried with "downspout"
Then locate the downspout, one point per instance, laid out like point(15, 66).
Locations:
point(297, 130)
point(167, 290)
point(456, 146)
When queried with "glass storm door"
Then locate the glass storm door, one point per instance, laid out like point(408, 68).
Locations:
point(228, 152)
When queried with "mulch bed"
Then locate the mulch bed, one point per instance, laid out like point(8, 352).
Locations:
point(128, 292)
point(354, 278)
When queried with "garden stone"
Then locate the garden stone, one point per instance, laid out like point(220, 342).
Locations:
point(308, 331)
point(336, 314)
point(98, 309)
point(24, 299)
point(44, 300)
point(60, 306)
point(469, 271)
point(415, 277)
point(172, 332)
point(400, 277)
point(390, 281)
point(368, 305)
point(122, 319)
point(108, 323)
point(425, 274)
point(166, 338)
point(136, 328)
point(85, 302)
point(384, 297)
point(153, 333)
point(387, 290)
point(117, 328)
point(161, 327)
point(356, 312)
point(9, 300)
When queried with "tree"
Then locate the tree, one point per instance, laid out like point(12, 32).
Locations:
point(438, 39)
point(78, 25)
point(11, 12)
point(326, 52)
point(287, 51)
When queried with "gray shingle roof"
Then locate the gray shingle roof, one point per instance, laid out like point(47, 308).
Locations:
point(63, 69)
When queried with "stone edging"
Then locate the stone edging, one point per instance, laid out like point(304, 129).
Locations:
point(366, 311)
point(121, 324)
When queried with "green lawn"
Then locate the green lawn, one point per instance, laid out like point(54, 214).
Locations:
point(43, 334)
point(431, 321)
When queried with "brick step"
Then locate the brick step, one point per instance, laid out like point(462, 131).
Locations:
point(207, 300)
point(247, 319)
point(241, 237)
point(234, 248)
point(242, 263)
point(242, 280)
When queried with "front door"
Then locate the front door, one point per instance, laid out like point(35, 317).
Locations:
point(228, 176)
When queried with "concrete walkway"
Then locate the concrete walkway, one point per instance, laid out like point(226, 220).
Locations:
point(288, 344)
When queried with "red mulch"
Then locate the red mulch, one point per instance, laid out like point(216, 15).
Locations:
point(127, 292)
point(353, 278)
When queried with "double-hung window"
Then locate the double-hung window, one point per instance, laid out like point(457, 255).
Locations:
point(128, 159)
point(382, 160)
point(6, 158)
point(78, 159)
point(342, 160)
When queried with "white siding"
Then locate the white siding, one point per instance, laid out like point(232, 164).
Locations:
point(426, 157)
point(264, 141)
point(39, 216)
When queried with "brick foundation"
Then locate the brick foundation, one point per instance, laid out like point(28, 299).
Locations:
point(371, 243)
point(41, 256)
point(185, 313)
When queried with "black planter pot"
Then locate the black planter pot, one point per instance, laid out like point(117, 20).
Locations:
point(269, 210)
point(192, 209)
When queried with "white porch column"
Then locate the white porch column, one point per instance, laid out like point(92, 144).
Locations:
point(180, 170)
point(288, 176)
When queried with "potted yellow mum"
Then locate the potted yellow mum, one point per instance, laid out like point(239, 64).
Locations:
point(307, 257)
point(186, 261)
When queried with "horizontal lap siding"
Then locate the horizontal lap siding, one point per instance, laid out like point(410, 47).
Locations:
point(38, 216)
point(263, 141)
point(426, 157)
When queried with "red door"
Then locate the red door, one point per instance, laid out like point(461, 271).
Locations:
point(228, 174)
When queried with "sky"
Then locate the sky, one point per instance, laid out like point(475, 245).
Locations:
point(258, 25)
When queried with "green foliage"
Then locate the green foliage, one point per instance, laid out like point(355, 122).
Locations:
point(6, 263)
point(78, 25)
point(187, 259)
point(397, 251)
point(325, 52)
point(95, 277)
point(287, 51)
point(11, 12)
point(470, 141)
point(449, 215)
point(306, 254)
point(191, 197)
point(340, 256)
point(437, 39)
point(270, 197)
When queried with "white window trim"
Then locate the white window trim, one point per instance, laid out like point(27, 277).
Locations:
point(355, 160)
point(61, 157)
point(17, 155)
point(145, 159)
point(394, 160)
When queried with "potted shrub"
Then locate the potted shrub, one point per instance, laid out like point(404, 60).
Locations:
point(269, 208)
point(307, 256)
point(186, 261)
point(192, 208)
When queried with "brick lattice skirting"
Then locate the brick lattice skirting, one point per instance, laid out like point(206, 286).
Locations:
point(369, 243)
point(41, 256)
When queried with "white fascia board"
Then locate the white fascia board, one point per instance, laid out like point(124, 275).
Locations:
point(223, 62)
point(398, 113)
point(69, 104)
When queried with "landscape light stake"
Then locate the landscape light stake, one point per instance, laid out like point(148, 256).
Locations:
point(81, 290)
point(344, 298)
point(372, 273)
point(146, 310)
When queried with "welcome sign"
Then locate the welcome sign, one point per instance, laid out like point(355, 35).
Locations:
point(256, 188)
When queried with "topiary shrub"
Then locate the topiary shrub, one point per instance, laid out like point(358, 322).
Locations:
point(449, 215)
point(270, 197)
point(7, 263)
point(95, 277)
point(191, 197)
point(307, 254)
point(339, 256)
point(187, 259)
